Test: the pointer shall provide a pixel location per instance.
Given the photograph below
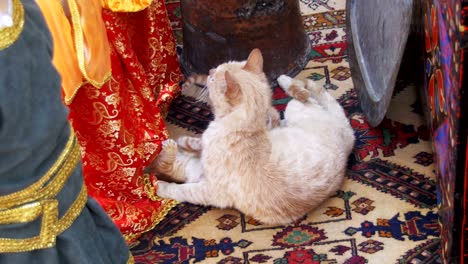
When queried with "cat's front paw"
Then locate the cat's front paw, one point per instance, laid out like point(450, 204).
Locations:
point(169, 150)
point(294, 88)
point(284, 81)
point(163, 189)
point(190, 144)
point(314, 88)
point(169, 146)
point(164, 163)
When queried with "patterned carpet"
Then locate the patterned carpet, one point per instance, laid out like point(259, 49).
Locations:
point(384, 213)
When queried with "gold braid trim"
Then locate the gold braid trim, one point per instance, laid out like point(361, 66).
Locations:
point(9, 35)
point(166, 208)
point(75, 210)
point(62, 168)
point(46, 238)
point(69, 100)
point(130, 258)
point(51, 226)
point(167, 205)
point(39, 200)
point(125, 5)
point(28, 213)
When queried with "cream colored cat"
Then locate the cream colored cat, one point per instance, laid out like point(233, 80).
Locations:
point(274, 175)
point(200, 81)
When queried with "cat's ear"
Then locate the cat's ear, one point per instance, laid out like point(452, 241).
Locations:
point(254, 62)
point(232, 86)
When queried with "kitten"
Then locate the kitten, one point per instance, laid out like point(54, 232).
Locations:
point(274, 175)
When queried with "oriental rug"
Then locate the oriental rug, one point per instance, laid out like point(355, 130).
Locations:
point(386, 211)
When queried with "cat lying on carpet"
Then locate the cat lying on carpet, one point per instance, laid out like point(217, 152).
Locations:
point(275, 175)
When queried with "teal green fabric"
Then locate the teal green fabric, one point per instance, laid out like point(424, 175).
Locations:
point(33, 132)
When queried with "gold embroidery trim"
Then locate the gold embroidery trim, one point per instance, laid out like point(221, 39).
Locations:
point(51, 226)
point(69, 100)
point(149, 189)
point(38, 200)
point(9, 35)
point(75, 210)
point(130, 258)
point(167, 205)
point(27, 213)
point(62, 168)
point(166, 208)
point(80, 46)
point(46, 238)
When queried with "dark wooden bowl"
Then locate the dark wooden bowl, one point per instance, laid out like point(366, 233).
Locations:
point(219, 31)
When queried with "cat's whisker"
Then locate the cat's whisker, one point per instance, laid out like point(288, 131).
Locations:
point(203, 95)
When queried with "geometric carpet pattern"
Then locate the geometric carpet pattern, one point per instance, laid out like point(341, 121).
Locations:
point(385, 212)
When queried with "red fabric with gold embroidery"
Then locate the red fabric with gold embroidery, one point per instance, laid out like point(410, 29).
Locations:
point(120, 126)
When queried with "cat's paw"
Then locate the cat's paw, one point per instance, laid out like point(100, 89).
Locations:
point(169, 146)
point(284, 81)
point(294, 87)
point(314, 88)
point(190, 144)
point(297, 91)
point(164, 162)
point(163, 189)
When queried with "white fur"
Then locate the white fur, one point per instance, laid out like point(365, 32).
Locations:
point(274, 175)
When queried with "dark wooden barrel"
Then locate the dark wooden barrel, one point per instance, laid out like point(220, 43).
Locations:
point(377, 34)
point(219, 31)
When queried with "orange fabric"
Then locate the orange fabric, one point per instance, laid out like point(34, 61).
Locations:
point(83, 41)
point(96, 50)
point(64, 58)
point(126, 5)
